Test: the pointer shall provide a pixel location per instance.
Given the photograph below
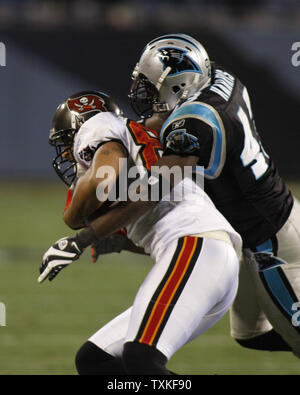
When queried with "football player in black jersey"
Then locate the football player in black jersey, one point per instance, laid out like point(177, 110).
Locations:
point(204, 116)
point(204, 110)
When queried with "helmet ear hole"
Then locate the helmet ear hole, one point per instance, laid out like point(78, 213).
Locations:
point(176, 88)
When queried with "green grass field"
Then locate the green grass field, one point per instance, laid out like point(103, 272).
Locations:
point(46, 323)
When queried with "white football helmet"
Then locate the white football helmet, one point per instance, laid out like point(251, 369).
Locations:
point(171, 69)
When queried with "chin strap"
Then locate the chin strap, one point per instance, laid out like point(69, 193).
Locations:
point(162, 78)
point(162, 107)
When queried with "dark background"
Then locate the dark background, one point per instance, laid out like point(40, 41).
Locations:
point(55, 48)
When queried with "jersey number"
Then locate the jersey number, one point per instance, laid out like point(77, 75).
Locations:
point(253, 151)
point(149, 140)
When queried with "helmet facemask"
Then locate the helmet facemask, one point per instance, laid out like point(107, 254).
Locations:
point(143, 94)
point(64, 163)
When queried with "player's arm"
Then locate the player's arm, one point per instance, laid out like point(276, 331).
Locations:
point(69, 249)
point(103, 172)
point(193, 135)
point(196, 128)
point(128, 212)
point(117, 242)
point(130, 246)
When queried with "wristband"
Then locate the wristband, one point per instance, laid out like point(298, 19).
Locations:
point(86, 237)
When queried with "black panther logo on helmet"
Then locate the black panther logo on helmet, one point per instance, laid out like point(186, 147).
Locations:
point(178, 60)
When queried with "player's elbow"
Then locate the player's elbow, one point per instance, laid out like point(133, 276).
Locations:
point(71, 222)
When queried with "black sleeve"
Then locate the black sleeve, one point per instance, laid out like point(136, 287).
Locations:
point(189, 136)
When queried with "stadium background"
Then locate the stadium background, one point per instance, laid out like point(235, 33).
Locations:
point(55, 48)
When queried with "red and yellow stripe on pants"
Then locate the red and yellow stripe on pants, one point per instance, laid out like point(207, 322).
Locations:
point(169, 290)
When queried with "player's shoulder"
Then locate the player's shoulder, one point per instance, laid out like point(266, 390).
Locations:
point(139, 128)
point(130, 123)
point(224, 92)
point(97, 130)
point(215, 104)
point(100, 126)
point(193, 115)
point(101, 121)
point(222, 85)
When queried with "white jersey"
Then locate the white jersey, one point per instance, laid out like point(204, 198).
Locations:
point(169, 220)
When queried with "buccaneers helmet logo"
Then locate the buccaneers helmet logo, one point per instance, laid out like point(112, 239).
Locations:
point(178, 60)
point(86, 103)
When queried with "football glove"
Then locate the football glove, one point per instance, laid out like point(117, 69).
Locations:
point(113, 243)
point(59, 256)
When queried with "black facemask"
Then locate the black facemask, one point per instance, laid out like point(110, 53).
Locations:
point(65, 167)
point(143, 95)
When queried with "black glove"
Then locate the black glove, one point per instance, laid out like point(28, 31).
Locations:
point(113, 243)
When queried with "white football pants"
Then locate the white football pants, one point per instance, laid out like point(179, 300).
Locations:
point(189, 288)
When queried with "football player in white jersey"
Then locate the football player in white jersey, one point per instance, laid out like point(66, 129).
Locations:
point(194, 278)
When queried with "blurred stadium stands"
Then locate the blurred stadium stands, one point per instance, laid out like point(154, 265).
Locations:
point(132, 14)
point(57, 47)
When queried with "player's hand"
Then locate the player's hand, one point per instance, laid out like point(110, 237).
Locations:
point(113, 243)
point(58, 256)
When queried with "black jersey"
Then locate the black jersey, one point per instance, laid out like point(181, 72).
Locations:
point(240, 177)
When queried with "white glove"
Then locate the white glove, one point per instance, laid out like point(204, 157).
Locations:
point(58, 256)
